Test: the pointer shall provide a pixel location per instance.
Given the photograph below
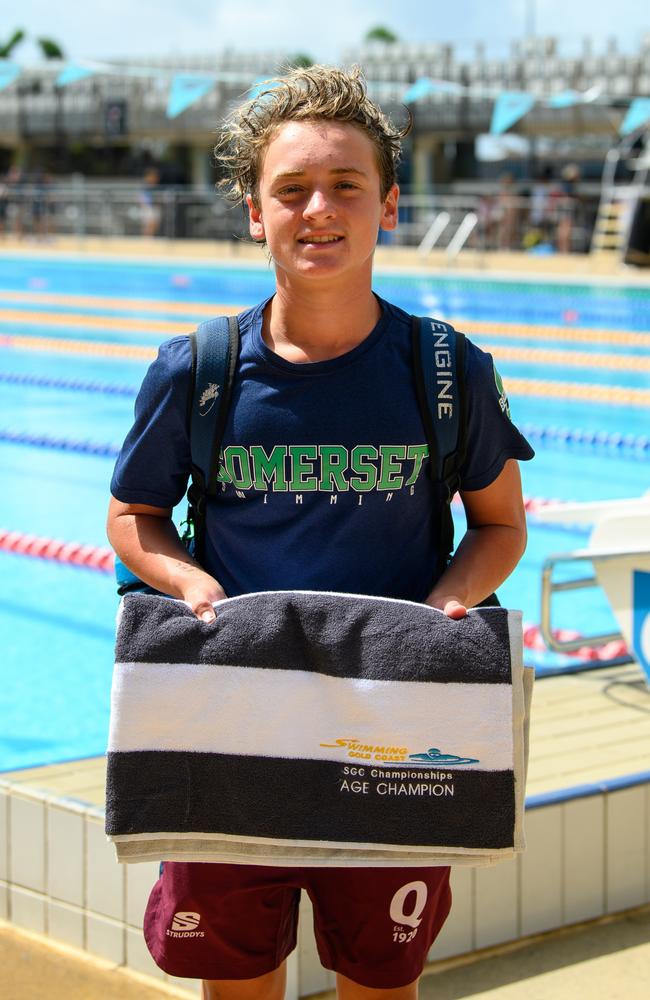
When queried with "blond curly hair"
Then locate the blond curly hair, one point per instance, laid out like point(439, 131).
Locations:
point(319, 93)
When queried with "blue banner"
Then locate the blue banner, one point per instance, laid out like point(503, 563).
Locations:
point(258, 87)
point(509, 107)
point(187, 89)
point(418, 90)
point(8, 73)
point(565, 99)
point(72, 73)
point(638, 114)
point(425, 86)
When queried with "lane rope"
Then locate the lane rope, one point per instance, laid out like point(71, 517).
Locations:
point(495, 328)
point(569, 359)
point(101, 560)
point(535, 331)
point(109, 450)
point(92, 557)
point(85, 446)
point(117, 303)
point(42, 319)
point(589, 439)
point(73, 384)
point(59, 443)
point(67, 346)
point(615, 395)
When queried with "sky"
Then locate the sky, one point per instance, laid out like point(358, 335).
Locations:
point(116, 28)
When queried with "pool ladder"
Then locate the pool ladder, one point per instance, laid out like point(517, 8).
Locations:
point(550, 587)
point(457, 241)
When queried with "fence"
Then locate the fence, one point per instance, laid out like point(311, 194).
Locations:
point(504, 221)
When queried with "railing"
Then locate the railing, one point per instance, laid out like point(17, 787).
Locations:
point(449, 222)
point(551, 586)
point(41, 212)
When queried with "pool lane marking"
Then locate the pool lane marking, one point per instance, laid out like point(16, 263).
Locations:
point(86, 321)
point(573, 359)
point(493, 328)
point(525, 355)
point(539, 331)
point(615, 394)
point(115, 302)
point(60, 346)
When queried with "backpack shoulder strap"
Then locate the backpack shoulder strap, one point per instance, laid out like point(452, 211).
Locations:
point(215, 347)
point(439, 372)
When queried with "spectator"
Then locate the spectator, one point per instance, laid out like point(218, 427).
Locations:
point(506, 213)
point(14, 183)
point(4, 205)
point(41, 205)
point(149, 210)
point(566, 208)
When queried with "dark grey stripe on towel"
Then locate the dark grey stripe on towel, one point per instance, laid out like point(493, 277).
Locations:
point(182, 792)
point(323, 633)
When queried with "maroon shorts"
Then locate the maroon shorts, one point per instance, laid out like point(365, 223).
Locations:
point(373, 925)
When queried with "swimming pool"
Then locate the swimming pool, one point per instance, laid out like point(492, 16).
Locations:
point(562, 347)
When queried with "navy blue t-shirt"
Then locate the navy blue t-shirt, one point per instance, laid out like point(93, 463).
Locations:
point(323, 483)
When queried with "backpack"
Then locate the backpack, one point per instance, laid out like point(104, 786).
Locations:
point(439, 375)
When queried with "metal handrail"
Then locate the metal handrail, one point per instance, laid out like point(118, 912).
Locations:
point(549, 588)
point(462, 234)
point(434, 232)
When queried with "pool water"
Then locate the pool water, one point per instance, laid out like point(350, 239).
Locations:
point(57, 622)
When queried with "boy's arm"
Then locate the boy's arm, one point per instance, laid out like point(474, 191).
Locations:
point(146, 540)
point(490, 549)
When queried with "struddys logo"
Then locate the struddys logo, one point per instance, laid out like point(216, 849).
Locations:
point(185, 924)
point(354, 749)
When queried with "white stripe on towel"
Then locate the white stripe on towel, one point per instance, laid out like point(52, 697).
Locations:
point(200, 708)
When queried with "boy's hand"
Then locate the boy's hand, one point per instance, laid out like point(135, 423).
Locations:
point(147, 541)
point(201, 594)
point(449, 605)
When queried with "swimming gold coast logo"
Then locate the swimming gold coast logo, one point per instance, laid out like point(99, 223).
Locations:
point(363, 751)
point(386, 754)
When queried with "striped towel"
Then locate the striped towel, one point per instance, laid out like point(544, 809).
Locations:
point(309, 728)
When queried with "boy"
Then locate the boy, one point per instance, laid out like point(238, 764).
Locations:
point(324, 486)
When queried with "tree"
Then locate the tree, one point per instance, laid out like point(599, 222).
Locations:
point(300, 60)
point(6, 48)
point(381, 34)
point(50, 48)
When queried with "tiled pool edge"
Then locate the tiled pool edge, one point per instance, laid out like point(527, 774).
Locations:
point(588, 856)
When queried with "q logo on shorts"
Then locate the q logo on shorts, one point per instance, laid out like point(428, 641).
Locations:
point(398, 904)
